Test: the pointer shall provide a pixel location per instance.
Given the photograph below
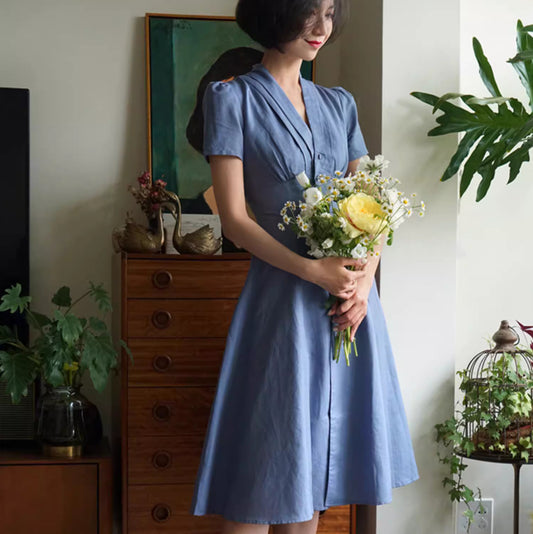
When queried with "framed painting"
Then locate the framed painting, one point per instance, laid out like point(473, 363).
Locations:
point(184, 53)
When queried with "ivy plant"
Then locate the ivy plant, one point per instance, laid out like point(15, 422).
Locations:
point(65, 345)
point(498, 130)
point(494, 417)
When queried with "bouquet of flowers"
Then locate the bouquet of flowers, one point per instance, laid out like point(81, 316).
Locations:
point(347, 215)
point(149, 194)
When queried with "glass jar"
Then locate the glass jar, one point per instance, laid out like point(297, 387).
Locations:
point(67, 421)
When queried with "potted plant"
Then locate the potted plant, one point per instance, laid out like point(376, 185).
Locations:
point(493, 136)
point(64, 347)
point(494, 419)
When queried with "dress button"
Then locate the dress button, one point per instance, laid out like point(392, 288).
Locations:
point(320, 156)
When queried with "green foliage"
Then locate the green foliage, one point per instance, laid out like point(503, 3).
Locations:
point(493, 406)
point(65, 346)
point(493, 137)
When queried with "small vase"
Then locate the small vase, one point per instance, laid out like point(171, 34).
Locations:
point(67, 421)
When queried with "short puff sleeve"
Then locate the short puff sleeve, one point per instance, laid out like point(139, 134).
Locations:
point(223, 121)
point(356, 142)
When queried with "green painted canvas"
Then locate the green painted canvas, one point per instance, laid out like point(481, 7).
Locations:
point(185, 55)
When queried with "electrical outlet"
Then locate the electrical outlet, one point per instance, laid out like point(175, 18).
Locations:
point(483, 521)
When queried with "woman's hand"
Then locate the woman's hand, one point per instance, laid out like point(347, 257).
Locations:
point(351, 312)
point(333, 275)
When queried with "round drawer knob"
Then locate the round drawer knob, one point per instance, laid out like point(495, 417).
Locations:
point(162, 279)
point(162, 460)
point(161, 363)
point(161, 318)
point(161, 513)
point(161, 412)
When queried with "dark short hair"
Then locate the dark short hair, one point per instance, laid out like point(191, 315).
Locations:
point(274, 22)
point(231, 63)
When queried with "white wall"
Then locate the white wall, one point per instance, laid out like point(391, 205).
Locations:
point(494, 254)
point(421, 52)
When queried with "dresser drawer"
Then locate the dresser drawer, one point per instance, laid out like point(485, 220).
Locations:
point(336, 520)
point(164, 460)
point(175, 362)
point(186, 279)
point(168, 411)
point(165, 508)
point(179, 318)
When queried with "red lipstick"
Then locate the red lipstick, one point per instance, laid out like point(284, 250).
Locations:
point(314, 44)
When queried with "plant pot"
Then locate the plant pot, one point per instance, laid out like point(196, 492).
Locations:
point(67, 421)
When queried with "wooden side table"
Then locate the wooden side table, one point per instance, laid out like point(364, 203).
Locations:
point(55, 495)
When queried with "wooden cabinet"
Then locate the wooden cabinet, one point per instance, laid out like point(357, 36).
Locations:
point(55, 495)
point(176, 312)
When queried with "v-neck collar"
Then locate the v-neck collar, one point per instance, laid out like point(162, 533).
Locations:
point(306, 131)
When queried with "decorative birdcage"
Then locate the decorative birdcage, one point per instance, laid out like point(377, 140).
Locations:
point(497, 405)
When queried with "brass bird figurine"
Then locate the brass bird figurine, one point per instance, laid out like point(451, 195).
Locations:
point(201, 241)
point(133, 237)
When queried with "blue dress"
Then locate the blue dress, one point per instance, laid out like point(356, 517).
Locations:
point(290, 430)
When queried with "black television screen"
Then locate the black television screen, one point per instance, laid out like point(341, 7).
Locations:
point(14, 195)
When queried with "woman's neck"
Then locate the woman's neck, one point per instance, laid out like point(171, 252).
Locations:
point(284, 68)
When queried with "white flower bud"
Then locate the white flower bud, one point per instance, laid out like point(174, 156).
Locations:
point(303, 180)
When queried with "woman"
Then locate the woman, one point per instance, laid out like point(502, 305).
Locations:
point(291, 432)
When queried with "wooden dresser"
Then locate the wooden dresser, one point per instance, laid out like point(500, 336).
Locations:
point(51, 495)
point(176, 311)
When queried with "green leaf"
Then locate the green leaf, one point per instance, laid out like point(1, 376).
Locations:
point(493, 138)
point(487, 101)
point(517, 158)
point(17, 371)
point(12, 301)
point(62, 297)
point(127, 349)
point(101, 297)
point(6, 334)
point(99, 357)
point(526, 55)
point(468, 447)
point(54, 374)
point(524, 68)
point(97, 325)
point(485, 69)
point(474, 161)
point(467, 142)
point(37, 320)
point(445, 98)
point(69, 326)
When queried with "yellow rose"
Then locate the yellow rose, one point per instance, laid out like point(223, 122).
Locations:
point(363, 214)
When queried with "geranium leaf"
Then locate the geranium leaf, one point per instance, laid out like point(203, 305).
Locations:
point(12, 301)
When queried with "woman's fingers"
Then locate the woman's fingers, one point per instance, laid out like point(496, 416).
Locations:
point(346, 294)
